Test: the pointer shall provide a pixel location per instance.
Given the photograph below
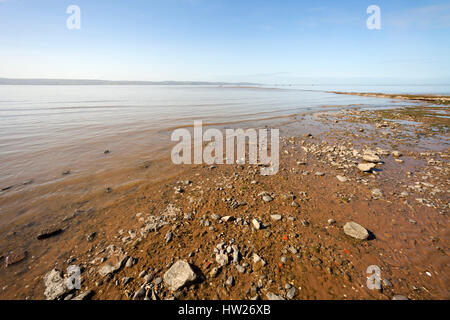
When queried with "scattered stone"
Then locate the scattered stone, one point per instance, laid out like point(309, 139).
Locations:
point(356, 231)
point(222, 259)
point(85, 296)
point(90, 237)
point(396, 154)
point(319, 174)
point(130, 262)
point(139, 294)
point(373, 158)
point(377, 192)
point(273, 296)
point(387, 283)
point(55, 286)
point(342, 178)
point(48, 232)
point(292, 292)
point(179, 275)
point(168, 236)
point(366, 167)
point(227, 218)
point(276, 217)
point(240, 268)
point(256, 224)
point(230, 281)
point(267, 198)
point(331, 221)
point(257, 258)
point(15, 257)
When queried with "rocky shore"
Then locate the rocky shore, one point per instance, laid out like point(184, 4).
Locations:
point(356, 188)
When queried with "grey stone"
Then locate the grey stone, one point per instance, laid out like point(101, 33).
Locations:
point(356, 231)
point(179, 275)
point(55, 286)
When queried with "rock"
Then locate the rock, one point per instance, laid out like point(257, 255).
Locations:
point(222, 259)
point(130, 262)
point(115, 264)
point(257, 258)
point(215, 216)
point(373, 158)
point(276, 217)
point(168, 236)
point(55, 286)
point(15, 257)
point(139, 294)
point(85, 296)
point(319, 174)
point(377, 192)
point(227, 218)
point(396, 154)
point(387, 283)
point(214, 271)
point(342, 178)
point(256, 224)
point(294, 204)
point(292, 292)
point(356, 231)
point(126, 280)
point(366, 167)
point(142, 274)
point(90, 237)
point(331, 221)
point(179, 275)
point(230, 281)
point(267, 198)
point(49, 232)
point(273, 296)
point(399, 297)
point(240, 268)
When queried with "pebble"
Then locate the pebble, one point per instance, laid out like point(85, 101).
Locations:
point(366, 167)
point(222, 259)
point(267, 198)
point(377, 192)
point(130, 262)
point(292, 292)
point(230, 281)
point(276, 217)
point(256, 224)
point(356, 231)
point(48, 232)
point(331, 221)
point(399, 297)
point(179, 275)
point(273, 296)
point(342, 178)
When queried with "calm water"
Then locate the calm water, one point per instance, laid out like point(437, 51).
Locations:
point(46, 129)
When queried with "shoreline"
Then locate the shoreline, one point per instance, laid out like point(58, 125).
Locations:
point(300, 247)
point(430, 98)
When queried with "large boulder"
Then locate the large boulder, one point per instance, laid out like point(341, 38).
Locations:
point(356, 231)
point(179, 275)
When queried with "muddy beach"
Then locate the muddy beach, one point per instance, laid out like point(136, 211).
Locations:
point(240, 235)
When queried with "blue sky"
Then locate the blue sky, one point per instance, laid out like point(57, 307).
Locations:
point(277, 41)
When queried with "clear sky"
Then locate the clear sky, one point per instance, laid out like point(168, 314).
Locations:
point(276, 41)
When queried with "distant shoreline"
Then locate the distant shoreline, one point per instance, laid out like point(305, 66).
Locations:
point(10, 81)
point(432, 98)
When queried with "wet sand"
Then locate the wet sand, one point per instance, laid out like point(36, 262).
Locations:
point(403, 203)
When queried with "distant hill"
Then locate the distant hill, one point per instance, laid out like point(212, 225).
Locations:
point(8, 81)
